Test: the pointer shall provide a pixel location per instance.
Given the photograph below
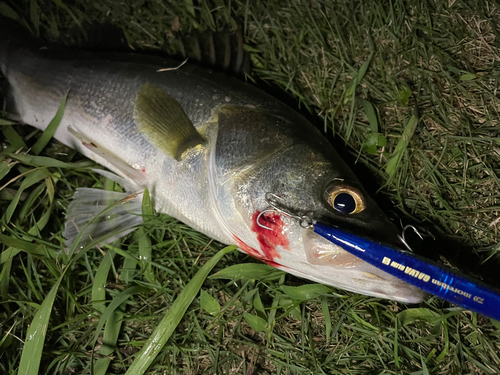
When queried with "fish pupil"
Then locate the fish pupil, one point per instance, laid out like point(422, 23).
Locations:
point(344, 203)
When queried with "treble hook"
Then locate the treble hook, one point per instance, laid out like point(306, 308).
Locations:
point(304, 221)
point(402, 238)
point(262, 213)
point(274, 208)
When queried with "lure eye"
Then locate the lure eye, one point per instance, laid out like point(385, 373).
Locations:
point(344, 199)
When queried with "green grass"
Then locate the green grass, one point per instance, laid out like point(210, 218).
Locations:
point(360, 69)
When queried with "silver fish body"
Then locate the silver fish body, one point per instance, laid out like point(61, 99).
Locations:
point(252, 145)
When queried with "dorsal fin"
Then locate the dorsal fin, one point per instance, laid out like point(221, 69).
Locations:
point(223, 50)
point(164, 122)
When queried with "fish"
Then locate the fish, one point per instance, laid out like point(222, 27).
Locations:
point(211, 149)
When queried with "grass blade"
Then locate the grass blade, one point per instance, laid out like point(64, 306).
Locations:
point(15, 141)
point(16, 243)
point(115, 303)
point(305, 292)
point(145, 248)
point(44, 161)
point(371, 115)
point(249, 271)
point(31, 179)
point(174, 315)
point(35, 336)
point(397, 155)
point(113, 323)
point(6, 122)
point(256, 322)
point(100, 281)
point(51, 129)
point(209, 303)
point(109, 339)
point(328, 319)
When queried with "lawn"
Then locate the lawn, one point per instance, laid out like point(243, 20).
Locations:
point(406, 91)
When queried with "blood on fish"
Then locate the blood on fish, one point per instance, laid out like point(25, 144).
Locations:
point(254, 253)
point(270, 239)
point(247, 249)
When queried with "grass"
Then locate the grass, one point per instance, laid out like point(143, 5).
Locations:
point(360, 71)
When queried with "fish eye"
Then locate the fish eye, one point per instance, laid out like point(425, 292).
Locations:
point(344, 198)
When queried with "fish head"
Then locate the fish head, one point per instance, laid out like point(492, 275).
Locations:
point(307, 178)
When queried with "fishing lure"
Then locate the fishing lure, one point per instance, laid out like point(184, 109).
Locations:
point(431, 277)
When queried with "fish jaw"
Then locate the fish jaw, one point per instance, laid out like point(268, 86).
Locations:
point(354, 273)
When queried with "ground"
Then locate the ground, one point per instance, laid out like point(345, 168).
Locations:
point(359, 70)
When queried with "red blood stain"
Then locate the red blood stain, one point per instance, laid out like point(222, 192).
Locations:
point(254, 253)
point(247, 249)
point(143, 169)
point(270, 239)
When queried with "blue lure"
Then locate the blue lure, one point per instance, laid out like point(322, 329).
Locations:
point(420, 272)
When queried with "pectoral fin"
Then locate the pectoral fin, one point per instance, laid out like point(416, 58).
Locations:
point(162, 119)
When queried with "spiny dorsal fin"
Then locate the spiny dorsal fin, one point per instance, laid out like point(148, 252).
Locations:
point(223, 50)
point(163, 120)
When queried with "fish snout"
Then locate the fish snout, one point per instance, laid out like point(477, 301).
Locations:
point(340, 268)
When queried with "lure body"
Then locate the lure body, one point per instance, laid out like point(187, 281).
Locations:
point(422, 273)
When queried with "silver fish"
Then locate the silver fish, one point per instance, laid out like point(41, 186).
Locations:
point(210, 149)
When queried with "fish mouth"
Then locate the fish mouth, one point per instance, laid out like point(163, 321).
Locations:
point(335, 266)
